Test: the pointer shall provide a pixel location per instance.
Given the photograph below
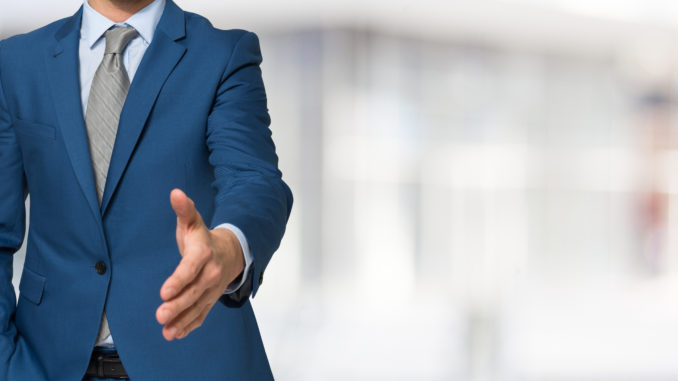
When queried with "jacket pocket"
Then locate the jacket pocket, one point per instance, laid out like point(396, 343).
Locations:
point(31, 286)
point(34, 129)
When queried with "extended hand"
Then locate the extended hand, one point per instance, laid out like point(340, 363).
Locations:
point(212, 259)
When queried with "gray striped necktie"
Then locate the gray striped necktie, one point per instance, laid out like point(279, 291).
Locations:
point(106, 98)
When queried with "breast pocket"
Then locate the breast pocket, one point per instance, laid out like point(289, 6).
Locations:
point(34, 130)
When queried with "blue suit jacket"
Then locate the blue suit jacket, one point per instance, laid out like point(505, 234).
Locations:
point(196, 119)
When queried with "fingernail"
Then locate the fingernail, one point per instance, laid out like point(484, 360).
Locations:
point(172, 332)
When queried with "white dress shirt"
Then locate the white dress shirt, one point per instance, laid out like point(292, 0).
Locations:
point(91, 53)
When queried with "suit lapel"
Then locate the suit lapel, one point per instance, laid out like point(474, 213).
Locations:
point(158, 62)
point(62, 70)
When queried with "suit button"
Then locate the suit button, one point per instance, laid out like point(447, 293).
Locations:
point(100, 267)
point(261, 278)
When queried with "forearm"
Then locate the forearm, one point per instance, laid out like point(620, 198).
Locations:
point(260, 209)
point(250, 191)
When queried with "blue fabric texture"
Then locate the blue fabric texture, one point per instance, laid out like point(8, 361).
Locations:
point(195, 119)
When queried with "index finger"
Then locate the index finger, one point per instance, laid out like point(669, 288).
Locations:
point(187, 270)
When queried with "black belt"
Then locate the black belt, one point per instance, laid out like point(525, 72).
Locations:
point(105, 364)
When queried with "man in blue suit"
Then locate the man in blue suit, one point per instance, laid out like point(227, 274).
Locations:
point(110, 119)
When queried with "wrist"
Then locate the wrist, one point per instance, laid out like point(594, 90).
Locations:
point(227, 243)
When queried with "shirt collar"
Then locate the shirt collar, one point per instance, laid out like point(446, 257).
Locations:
point(94, 24)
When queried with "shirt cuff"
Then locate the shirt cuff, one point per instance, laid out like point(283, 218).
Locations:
point(233, 287)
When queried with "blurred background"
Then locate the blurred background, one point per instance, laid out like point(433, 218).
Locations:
point(485, 190)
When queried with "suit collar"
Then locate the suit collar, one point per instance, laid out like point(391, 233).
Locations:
point(69, 29)
point(160, 59)
point(94, 24)
point(64, 85)
point(172, 23)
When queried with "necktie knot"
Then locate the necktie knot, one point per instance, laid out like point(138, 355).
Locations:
point(118, 38)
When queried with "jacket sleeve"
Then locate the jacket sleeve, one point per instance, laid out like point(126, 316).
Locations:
point(250, 191)
point(12, 222)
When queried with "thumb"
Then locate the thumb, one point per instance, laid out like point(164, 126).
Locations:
point(187, 215)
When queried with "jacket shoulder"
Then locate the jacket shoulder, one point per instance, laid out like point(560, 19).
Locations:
point(202, 29)
point(34, 39)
